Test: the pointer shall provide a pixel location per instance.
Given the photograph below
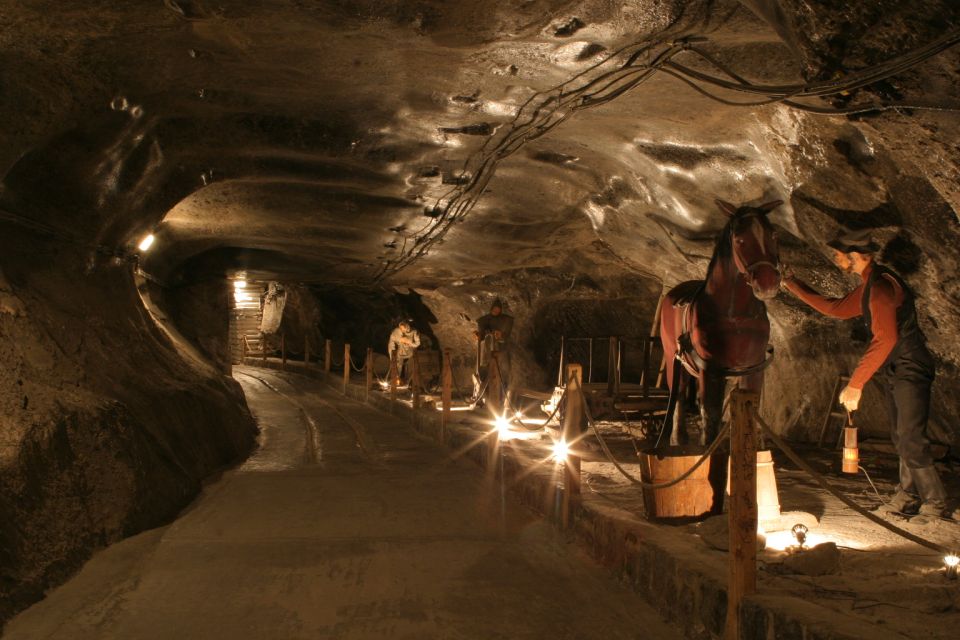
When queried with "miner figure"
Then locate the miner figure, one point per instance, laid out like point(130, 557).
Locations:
point(404, 340)
point(899, 357)
point(493, 332)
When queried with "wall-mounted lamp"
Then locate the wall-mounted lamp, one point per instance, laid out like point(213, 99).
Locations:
point(146, 243)
point(950, 563)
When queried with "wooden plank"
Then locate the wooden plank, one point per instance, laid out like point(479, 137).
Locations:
point(573, 418)
point(743, 507)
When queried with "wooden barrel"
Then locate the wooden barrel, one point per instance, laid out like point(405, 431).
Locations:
point(691, 498)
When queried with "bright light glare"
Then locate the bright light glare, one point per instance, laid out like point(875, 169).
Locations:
point(241, 296)
point(240, 284)
point(146, 243)
point(951, 560)
point(560, 451)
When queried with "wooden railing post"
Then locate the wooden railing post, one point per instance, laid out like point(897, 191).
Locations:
point(494, 396)
point(263, 347)
point(327, 356)
point(369, 371)
point(394, 374)
point(243, 348)
point(613, 386)
point(743, 506)
point(573, 417)
point(306, 349)
point(415, 379)
point(346, 366)
point(283, 351)
point(446, 394)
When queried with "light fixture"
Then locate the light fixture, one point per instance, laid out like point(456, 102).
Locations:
point(560, 450)
point(799, 532)
point(146, 243)
point(950, 563)
point(851, 454)
point(240, 284)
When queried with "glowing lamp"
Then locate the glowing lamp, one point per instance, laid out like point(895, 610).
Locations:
point(799, 532)
point(560, 451)
point(950, 563)
point(851, 454)
point(240, 284)
point(146, 243)
point(502, 426)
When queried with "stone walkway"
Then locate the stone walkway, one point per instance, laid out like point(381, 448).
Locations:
point(346, 525)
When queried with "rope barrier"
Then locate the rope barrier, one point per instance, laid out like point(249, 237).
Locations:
point(641, 483)
point(358, 369)
point(800, 462)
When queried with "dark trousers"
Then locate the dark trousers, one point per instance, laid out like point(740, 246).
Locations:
point(906, 383)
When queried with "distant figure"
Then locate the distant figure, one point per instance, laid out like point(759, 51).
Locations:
point(404, 340)
point(897, 357)
point(493, 333)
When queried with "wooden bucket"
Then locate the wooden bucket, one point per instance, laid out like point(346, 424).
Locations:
point(690, 498)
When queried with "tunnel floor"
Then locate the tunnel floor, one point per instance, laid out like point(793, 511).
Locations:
point(336, 530)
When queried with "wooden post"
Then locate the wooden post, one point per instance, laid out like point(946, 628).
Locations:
point(645, 376)
point(283, 351)
point(243, 348)
point(346, 366)
point(263, 347)
point(494, 397)
point(613, 387)
point(415, 380)
point(446, 393)
point(306, 349)
point(327, 356)
point(573, 417)
point(368, 367)
point(394, 373)
point(743, 506)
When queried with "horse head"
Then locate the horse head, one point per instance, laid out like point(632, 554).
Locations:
point(754, 245)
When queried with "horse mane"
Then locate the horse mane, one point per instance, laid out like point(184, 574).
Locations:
point(722, 250)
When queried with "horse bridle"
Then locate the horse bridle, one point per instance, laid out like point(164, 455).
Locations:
point(749, 269)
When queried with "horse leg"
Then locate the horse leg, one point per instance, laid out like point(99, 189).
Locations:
point(678, 433)
point(711, 413)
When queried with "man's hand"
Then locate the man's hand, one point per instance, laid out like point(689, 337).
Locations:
point(850, 398)
point(498, 335)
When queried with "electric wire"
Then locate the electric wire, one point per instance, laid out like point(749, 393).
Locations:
point(600, 84)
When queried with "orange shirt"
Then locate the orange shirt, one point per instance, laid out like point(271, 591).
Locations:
point(885, 297)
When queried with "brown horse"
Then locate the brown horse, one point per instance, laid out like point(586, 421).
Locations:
point(717, 328)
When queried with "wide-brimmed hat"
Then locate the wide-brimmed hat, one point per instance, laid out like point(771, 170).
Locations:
point(497, 303)
point(860, 241)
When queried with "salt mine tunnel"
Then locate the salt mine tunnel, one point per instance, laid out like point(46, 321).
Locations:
point(357, 319)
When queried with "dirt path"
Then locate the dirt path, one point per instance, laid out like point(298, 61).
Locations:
point(342, 525)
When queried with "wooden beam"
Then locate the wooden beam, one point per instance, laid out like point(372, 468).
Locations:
point(613, 382)
point(346, 366)
point(743, 507)
point(446, 394)
point(283, 351)
point(263, 347)
point(327, 356)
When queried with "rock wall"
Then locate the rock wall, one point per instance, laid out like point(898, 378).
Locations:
point(105, 430)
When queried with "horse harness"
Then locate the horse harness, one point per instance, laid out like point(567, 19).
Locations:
point(686, 353)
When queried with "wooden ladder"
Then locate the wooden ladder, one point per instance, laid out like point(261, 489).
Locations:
point(835, 412)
